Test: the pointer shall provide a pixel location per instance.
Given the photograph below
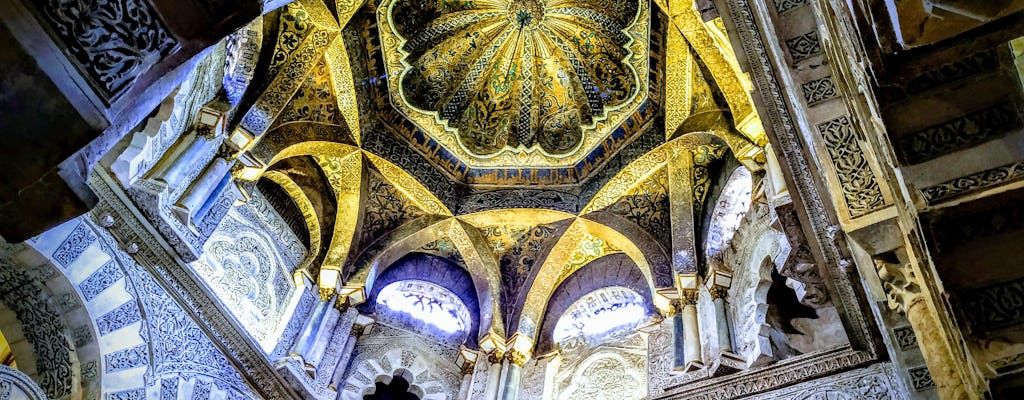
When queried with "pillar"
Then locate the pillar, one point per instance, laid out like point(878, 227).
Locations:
point(718, 294)
point(467, 381)
point(691, 330)
point(346, 354)
point(173, 168)
point(678, 336)
point(513, 374)
point(308, 336)
point(201, 191)
point(904, 294)
point(493, 375)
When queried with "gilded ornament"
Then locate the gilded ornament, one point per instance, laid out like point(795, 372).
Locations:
point(517, 83)
point(516, 357)
point(718, 292)
point(688, 297)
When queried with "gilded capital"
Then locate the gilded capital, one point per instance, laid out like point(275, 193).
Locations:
point(688, 297)
point(326, 293)
point(718, 292)
point(467, 368)
point(516, 357)
point(495, 357)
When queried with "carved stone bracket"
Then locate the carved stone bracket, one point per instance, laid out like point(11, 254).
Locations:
point(800, 267)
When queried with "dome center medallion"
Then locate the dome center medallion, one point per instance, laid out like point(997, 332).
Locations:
point(526, 14)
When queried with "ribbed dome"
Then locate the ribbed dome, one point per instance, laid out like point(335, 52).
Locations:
point(516, 73)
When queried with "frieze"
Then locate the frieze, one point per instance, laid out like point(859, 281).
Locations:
point(520, 198)
point(875, 382)
point(974, 182)
point(971, 129)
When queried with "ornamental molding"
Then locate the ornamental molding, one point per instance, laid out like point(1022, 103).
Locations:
point(787, 139)
point(779, 375)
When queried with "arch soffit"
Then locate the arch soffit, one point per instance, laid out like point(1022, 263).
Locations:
point(482, 267)
point(553, 270)
point(58, 361)
point(442, 272)
point(615, 269)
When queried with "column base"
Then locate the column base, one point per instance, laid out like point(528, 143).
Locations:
point(693, 366)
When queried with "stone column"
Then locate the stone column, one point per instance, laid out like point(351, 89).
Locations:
point(678, 336)
point(904, 294)
point(691, 330)
point(724, 333)
point(493, 375)
point(467, 381)
point(175, 164)
point(513, 374)
point(310, 331)
point(346, 355)
point(204, 188)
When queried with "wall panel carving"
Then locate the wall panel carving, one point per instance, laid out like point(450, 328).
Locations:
point(860, 187)
point(112, 41)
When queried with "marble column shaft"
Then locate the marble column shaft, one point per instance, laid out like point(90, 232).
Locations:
point(493, 377)
point(309, 331)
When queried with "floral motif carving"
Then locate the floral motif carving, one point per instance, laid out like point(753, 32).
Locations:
point(971, 129)
point(112, 41)
point(512, 80)
point(647, 205)
point(818, 90)
point(973, 182)
point(73, 246)
point(804, 46)
point(860, 187)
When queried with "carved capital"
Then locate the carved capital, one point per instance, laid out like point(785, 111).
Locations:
point(718, 292)
point(495, 357)
point(688, 297)
point(326, 293)
point(467, 368)
point(674, 306)
point(516, 357)
point(341, 304)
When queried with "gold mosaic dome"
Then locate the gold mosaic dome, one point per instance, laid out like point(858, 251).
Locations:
point(516, 76)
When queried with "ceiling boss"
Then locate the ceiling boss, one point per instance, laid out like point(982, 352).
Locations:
point(511, 80)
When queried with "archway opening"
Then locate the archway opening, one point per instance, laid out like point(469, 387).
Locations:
point(396, 389)
point(600, 315)
point(425, 308)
